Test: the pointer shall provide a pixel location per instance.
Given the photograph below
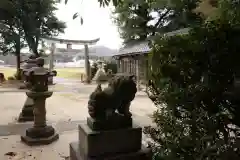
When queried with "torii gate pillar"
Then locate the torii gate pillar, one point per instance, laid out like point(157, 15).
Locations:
point(87, 64)
point(51, 63)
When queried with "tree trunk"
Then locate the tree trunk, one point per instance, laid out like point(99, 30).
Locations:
point(18, 60)
point(35, 51)
point(32, 43)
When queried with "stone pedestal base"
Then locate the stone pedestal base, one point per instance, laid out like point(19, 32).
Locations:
point(27, 111)
point(116, 122)
point(117, 144)
point(40, 136)
point(143, 154)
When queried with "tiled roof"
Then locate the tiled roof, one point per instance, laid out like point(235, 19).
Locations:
point(143, 47)
point(136, 48)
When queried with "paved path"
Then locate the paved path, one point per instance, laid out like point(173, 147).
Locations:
point(66, 107)
point(65, 110)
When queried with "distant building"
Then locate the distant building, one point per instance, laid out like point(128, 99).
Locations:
point(10, 59)
point(133, 58)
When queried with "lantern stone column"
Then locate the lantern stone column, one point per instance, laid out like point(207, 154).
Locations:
point(40, 133)
point(27, 109)
point(138, 65)
point(118, 65)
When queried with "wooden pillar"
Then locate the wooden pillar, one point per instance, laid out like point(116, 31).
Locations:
point(135, 67)
point(118, 65)
point(123, 65)
point(87, 65)
point(131, 65)
point(128, 65)
point(138, 73)
point(146, 71)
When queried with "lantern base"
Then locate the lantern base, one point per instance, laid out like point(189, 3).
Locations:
point(40, 136)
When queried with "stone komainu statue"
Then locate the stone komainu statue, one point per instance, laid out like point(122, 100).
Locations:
point(116, 97)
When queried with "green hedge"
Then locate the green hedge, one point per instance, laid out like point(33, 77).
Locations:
point(189, 78)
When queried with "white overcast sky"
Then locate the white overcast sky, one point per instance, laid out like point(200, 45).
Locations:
point(97, 23)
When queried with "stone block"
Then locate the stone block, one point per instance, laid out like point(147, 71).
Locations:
point(113, 123)
point(142, 154)
point(39, 141)
point(97, 143)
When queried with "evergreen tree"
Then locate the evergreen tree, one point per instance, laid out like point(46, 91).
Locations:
point(140, 19)
point(39, 20)
point(25, 22)
point(192, 78)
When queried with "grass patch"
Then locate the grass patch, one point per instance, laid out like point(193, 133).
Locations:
point(71, 73)
point(8, 72)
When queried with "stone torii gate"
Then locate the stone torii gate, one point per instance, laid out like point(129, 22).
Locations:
point(68, 42)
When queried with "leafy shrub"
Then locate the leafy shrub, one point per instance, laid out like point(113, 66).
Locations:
point(18, 75)
point(190, 77)
point(111, 66)
point(11, 78)
point(94, 69)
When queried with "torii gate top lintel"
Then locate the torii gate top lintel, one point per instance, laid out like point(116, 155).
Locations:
point(68, 41)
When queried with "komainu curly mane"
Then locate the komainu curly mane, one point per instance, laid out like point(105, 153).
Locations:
point(116, 97)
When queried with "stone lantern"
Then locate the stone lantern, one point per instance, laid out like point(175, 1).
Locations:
point(27, 109)
point(32, 63)
point(40, 133)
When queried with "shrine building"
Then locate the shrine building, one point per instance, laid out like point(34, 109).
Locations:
point(133, 57)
